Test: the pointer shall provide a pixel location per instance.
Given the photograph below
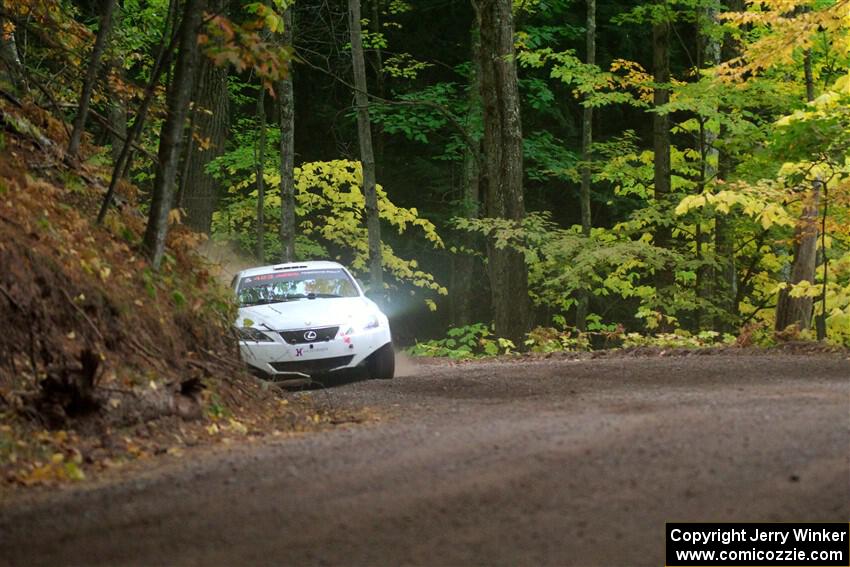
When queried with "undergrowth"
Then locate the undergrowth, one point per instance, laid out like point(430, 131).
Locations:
point(479, 341)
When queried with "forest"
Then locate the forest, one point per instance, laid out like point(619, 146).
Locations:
point(507, 174)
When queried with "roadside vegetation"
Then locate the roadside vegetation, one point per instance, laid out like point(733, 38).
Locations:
point(104, 361)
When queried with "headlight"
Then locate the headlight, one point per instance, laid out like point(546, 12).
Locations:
point(372, 322)
point(253, 335)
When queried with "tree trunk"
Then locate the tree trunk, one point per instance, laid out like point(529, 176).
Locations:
point(661, 142)
point(798, 310)
point(161, 62)
point(287, 151)
point(709, 55)
point(211, 122)
point(116, 108)
point(503, 163)
point(367, 157)
point(91, 76)
point(116, 111)
point(261, 171)
point(726, 283)
point(807, 71)
point(171, 134)
point(122, 165)
point(463, 289)
point(586, 141)
point(380, 85)
point(186, 161)
point(725, 286)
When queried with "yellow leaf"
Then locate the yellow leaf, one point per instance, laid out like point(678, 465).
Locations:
point(237, 426)
point(174, 216)
point(39, 475)
point(74, 472)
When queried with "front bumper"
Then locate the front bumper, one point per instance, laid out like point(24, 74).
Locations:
point(281, 360)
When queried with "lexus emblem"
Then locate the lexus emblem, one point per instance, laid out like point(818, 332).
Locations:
point(310, 335)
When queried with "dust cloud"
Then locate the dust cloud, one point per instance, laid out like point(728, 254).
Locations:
point(404, 364)
point(229, 259)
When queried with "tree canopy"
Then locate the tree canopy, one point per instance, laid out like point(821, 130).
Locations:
point(566, 170)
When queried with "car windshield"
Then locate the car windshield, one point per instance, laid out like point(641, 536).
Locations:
point(294, 285)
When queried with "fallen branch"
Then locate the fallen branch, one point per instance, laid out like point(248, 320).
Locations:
point(11, 98)
point(83, 313)
point(229, 363)
point(14, 223)
point(10, 298)
point(153, 357)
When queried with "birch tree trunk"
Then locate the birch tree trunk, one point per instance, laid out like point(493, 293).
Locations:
point(503, 166)
point(171, 134)
point(286, 98)
point(91, 76)
point(367, 156)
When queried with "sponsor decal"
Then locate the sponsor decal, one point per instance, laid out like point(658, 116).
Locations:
point(284, 275)
point(276, 276)
point(299, 352)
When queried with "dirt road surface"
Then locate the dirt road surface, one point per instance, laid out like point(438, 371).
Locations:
point(556, 463)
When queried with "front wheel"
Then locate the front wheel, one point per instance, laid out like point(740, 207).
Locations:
point(381, 365)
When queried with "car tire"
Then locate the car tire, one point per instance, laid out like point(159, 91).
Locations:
point(381, 365)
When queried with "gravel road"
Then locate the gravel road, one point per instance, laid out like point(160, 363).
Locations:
point(548, 462)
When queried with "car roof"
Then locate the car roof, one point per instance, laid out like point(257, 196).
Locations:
point(311, 265)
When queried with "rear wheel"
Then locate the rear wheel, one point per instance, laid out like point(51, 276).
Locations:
point(381, 365)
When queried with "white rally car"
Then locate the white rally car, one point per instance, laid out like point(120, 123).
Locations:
point(306, 318)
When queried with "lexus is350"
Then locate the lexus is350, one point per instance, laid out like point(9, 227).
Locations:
point(301, 319)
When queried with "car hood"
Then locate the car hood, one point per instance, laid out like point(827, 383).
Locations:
point(307, 313)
